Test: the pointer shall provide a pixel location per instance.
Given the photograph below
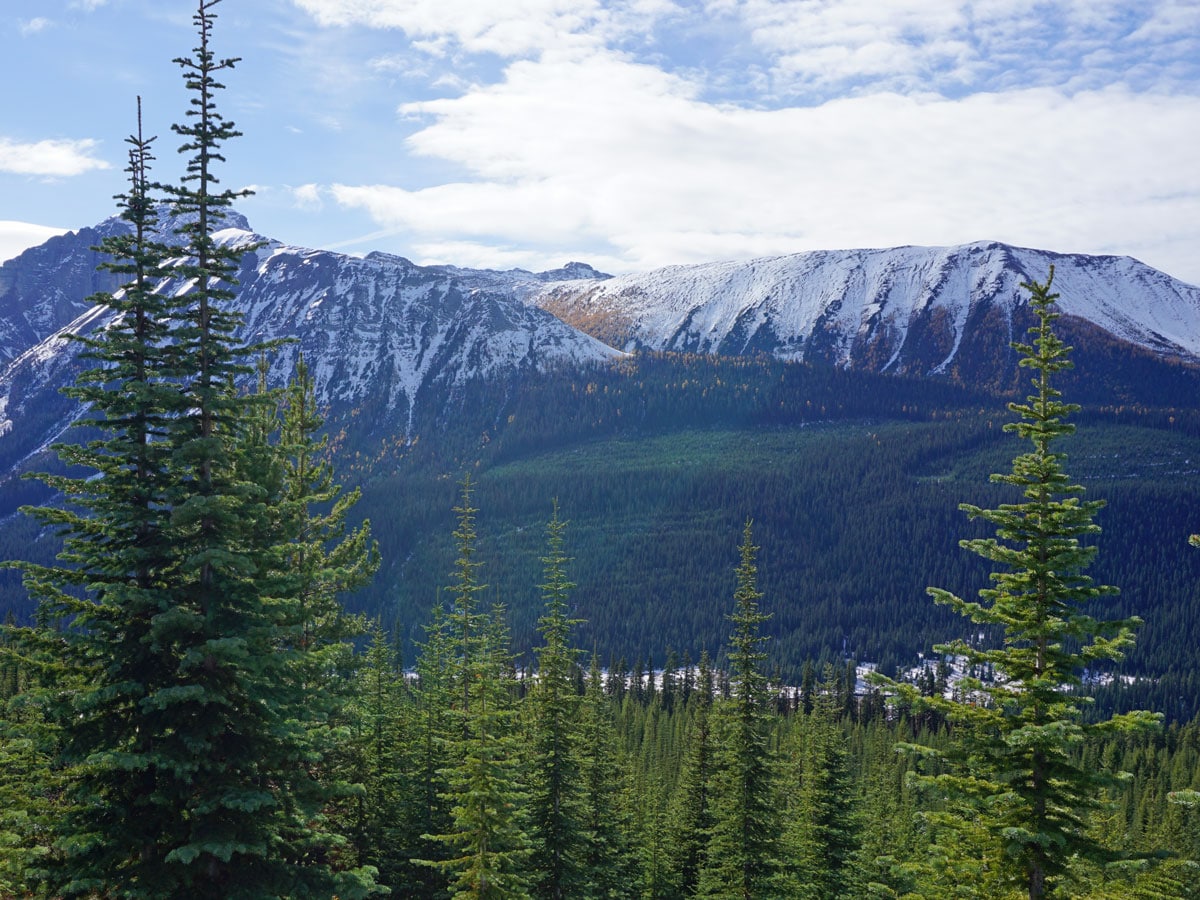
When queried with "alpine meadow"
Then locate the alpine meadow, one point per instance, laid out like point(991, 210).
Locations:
point(846, 574)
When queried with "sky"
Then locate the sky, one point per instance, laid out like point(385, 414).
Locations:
point(630, 134)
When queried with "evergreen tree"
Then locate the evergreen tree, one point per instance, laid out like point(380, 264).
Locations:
point(650, 793)
point(433, 732)
point(1013, 761)
point(91, 675)
point(670, 681)
point(741, 859)
point(608, 858)
point(822, 829)
point(691, 813)
point(31, 787)
point(381, 762)
point(488, 841)
point(201, 653)
point(311, 558)
point(117, 551)
point(556, 807)
point(466, 621)
point(488, 847)
point(889, 832)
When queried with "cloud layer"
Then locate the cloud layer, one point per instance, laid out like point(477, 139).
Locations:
point(49, 158)
point(623, 159)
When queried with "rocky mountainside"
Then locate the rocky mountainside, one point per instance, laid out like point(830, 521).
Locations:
point(923, 311)
point(401, 348)
point(392, 343)
point(46, 287)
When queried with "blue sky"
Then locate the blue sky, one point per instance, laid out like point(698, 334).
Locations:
point(632, 133)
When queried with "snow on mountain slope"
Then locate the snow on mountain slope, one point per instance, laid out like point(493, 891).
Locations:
point(385, 327)
point(906, 309)
point(379, 332)
point(402, 342)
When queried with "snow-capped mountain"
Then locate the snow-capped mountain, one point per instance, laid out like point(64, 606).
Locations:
point(914, 310)
point(45, 287)
point(386, 329)
point(398, 341)
point(402, 347)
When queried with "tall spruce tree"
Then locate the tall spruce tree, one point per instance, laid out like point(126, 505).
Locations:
point(821, 832)
point(691, 813)
point(93, 650)
point(555, 802)
point(488, 848)
point(742, 856)
point(236, 736)
point(308, 556)
point(1012, 765)
point(433, 731)
point(608, 855)
point(466, 621)
point(31, 784)
point(380, 814)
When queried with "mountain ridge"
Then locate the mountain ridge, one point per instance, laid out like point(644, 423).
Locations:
point(411, 346)
point(908, 310)
point(380, 332)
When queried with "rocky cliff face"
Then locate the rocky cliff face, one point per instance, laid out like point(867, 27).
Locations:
point(46, 287)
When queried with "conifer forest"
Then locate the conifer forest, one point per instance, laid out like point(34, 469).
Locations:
point(200, 709)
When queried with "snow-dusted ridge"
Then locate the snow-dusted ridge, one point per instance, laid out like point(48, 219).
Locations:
point(398, 340)
point(385, 327)
point(379, 333)
point(887, 309)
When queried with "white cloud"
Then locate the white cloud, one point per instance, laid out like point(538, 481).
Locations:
point(307, 197)
point(35, 25)
point(1171, 20)
point(509, 29)
point(16, 237)
point(824, 47)
point(581, 154)
point(50, 158)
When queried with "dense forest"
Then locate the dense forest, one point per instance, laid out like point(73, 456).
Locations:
point(198, 709)
point(855, 516)
point(854, 489)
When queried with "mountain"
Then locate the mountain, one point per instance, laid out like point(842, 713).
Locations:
point(394, 344)
point(853, 477)
point(44, 288)
point(925, 311)
point(405, 348)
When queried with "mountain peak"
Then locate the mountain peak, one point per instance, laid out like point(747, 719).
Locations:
point(391, 259)
point(573, 271)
